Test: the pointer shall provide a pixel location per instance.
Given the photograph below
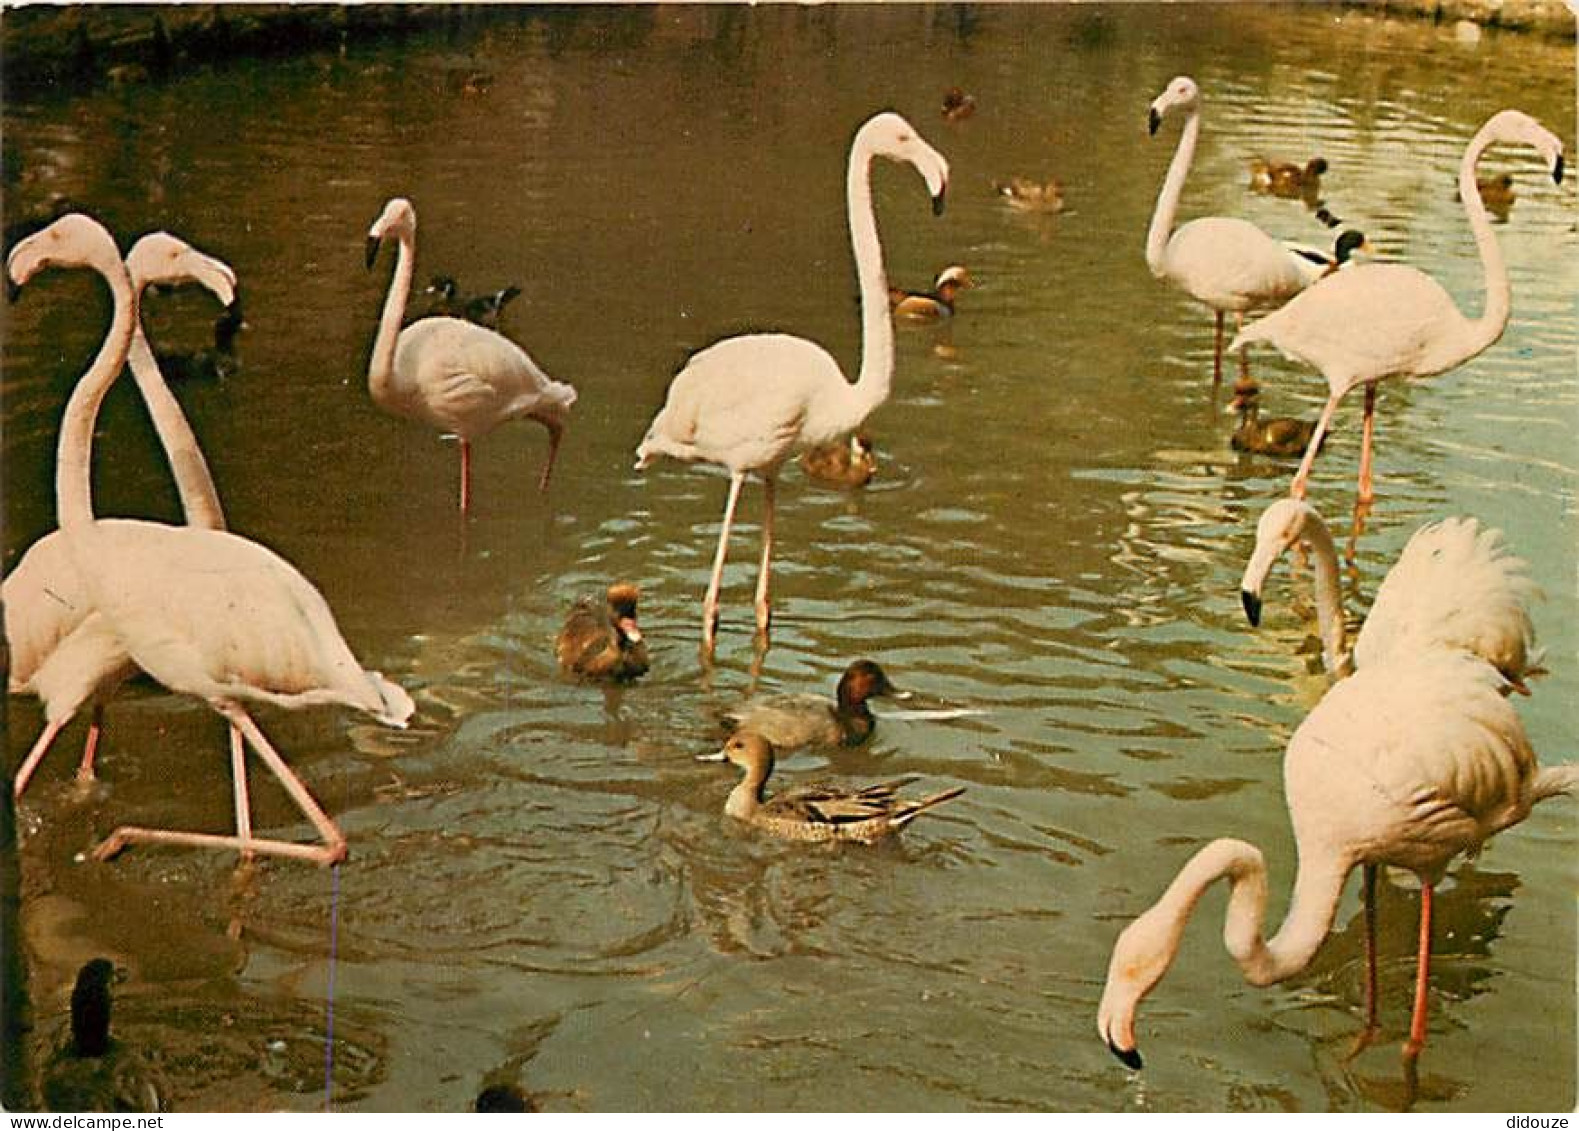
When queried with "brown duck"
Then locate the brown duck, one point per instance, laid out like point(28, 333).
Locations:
point(603, 643)
point(844, 464)
point(790, 721)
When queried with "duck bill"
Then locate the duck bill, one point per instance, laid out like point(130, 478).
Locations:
point(716, 756)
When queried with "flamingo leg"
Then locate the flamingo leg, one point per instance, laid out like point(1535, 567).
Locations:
point(466, 476)
point(1244, 351)
point(764, 612)
point(90, 745)
point(1416, 1040)
point(1366, 494)
point(1297, 488)
point(238, 776)
point(332, 851)
point(1368, 1034)
point(35, 756)
point(1217, 353)
point(710, 602)
point(556, 432)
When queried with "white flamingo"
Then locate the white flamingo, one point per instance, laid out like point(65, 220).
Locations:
point(204, 612)
point(1455, 586)
point(1408, 764)
point(45, 602)
point(751, 402)
point(1382, 320)
point(1224, 262)
point(453, 374)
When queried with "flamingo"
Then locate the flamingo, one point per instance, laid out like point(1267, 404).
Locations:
point(1227, 263)
point(1455, 586)
point(1377, 321)
point(751, 402)
point(204, 612)
point(1408, 763)
point(457, 376)
point(54, 655)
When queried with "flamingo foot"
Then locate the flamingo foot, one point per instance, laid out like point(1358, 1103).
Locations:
point(1363, 1040)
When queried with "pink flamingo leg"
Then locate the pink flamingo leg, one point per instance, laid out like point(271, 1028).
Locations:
point(238, 776)
point(35, 756)
point(556, 432)
point(1416, 1040)
point(332, 851)
point(1366, 494)
point(466, 476)
point(1297, 489)
point(764, 612)
point(710, 602)
point(90, 745)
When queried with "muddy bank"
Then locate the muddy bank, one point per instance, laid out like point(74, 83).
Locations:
point(1547, 17)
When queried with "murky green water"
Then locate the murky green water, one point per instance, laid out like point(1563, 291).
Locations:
point(542, 887)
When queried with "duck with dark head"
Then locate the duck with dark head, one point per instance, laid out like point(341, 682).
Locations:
point(604, 642)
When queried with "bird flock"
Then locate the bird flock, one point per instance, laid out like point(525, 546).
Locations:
point(1414, 756)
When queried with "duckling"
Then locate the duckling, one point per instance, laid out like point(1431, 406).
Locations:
point(933, 305)
point(484, 310)
point(1496, 193)
point(90, 1070)
point(957, 105)
point(1031, 196)
point(1286, 179)
point(816, 812)
point(791, 721)
point(1279, 436)
point(603, 643)
point(850, 464)
point(217, 361)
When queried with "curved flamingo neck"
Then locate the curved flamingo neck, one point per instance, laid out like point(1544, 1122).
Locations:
point(193, 480)
point(875, 379)
point(1168, 198)
point(74, 456)
point(1329, 596)
point(1486, 329)
point(1317, 887)
point(382, 366)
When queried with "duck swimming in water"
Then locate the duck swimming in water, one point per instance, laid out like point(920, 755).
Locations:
point(1027, 195)
point(1287, 179)
point(603, 643)
point(795, 720)
point(1275, 436)
point(933, 305)
point(849, 464)
point(816, 812)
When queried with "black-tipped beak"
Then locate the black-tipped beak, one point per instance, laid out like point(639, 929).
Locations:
point(372, 250)
point(1130, 1057)
point(1153, 121)
point(13, 290)
point(1557, 170)
point(937, 203)
point(1252, 604)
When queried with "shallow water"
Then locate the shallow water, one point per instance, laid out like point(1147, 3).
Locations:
point(542, 887)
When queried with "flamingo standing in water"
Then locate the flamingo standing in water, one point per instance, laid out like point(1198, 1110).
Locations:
point(751, 402)
point(1408, 763)
point(1455, 587)
point(453, 374)
point(52, 654)
point(204, 612)
point(1382, 320)
point(1227, 263)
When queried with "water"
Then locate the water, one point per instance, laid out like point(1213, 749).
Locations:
point(542, 887)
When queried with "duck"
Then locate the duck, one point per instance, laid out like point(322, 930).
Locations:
point(794, 720)
point(1350, 242)
point(218, 361)
point(957, 105)
point(1287, 179)
point(1031, 196)
point(933, 305)
point(90, 1070)
point(848, 464)
point(816, 813)
point(484, 310)
point(603, 643)
point(1276, 436)
point(1496, 193)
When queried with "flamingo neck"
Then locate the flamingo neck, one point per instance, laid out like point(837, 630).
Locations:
point(193, 481)
point(873, 382)
point(1317, 887)
point(74, 456)
point(1329, 597)
point(1168, 198)
point(1486, 329)
point(382, 366)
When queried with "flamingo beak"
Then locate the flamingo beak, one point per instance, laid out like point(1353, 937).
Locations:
point(1557, 170)
point(1153, 121)
point(372, 250)
point(1252, 604)
point(1130, 1057)
point(937, 201)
